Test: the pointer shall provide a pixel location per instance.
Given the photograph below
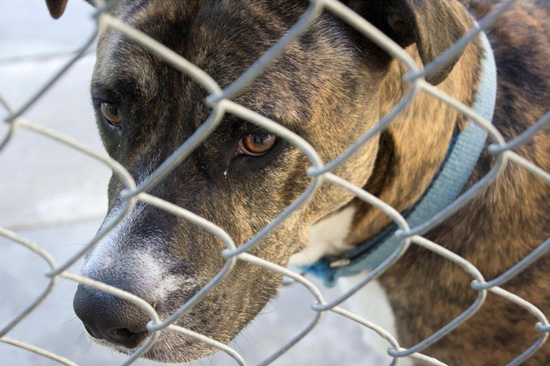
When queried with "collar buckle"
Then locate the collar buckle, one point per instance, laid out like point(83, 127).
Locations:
point(340, 263)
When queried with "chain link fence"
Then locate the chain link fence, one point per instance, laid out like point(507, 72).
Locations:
point(219, 100)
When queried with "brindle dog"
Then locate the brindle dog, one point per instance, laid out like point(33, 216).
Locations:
point(330, 87)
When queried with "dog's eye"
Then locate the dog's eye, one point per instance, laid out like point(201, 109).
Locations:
point(257, 144)
point(111, 113)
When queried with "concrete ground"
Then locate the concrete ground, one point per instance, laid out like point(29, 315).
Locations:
point(56, 197)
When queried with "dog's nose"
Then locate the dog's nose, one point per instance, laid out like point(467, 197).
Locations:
point(108, 317)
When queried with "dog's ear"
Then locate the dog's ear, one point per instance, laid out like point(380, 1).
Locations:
point(56, 7)
point(433, 25)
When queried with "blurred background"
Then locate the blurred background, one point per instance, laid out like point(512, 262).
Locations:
point(56, 197)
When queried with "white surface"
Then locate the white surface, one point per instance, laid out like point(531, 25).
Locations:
point(43, 183)
point(372, 304)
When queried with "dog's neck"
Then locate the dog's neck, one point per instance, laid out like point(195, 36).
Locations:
point(414, 147)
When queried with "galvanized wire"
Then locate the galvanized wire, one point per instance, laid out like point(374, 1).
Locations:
point(219, 101)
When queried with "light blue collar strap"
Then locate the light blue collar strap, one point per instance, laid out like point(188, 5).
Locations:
point(461, 159)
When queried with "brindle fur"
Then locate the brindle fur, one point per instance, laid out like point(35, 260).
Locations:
point(501, 226)
point(331, 87)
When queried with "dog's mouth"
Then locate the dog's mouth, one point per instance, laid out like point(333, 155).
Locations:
point(120, 338)
point(182, 349)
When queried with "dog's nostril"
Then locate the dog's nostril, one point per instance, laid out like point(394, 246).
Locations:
point(126, 338)
point(91, 332)
point(122, 332)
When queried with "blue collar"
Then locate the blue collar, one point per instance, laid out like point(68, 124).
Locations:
point(462, 156)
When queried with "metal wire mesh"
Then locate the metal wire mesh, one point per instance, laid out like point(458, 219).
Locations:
point(219, 100)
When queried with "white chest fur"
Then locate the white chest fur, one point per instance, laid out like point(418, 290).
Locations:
point(326, 238)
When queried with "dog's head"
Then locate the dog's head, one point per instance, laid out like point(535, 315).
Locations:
point(326, 87)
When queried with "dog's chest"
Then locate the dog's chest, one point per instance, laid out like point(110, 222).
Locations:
point(327, 237)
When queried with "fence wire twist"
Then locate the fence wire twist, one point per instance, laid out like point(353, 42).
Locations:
point(219, 100)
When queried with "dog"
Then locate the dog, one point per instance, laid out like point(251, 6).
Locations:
point(331, 86)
